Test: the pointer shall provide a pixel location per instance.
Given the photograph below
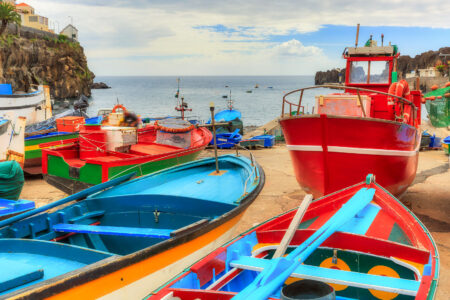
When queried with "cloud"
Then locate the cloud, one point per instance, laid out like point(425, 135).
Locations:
point(201, 37)
point(296, 48)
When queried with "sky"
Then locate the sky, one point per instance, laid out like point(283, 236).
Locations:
point(241, 37)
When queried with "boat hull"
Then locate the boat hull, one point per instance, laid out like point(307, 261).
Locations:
point(31, 106)
point(332, 152)
point(133, 275)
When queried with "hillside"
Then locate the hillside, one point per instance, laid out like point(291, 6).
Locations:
point(59, 63)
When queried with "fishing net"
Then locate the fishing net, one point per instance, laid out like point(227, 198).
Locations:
point(439, 108)
point(11, 180)
point(174, 132)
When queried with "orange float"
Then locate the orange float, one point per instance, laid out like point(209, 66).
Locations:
point(119, 106)
point(434, 87)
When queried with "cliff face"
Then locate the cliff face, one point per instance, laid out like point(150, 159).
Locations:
point(58, 63)
point(405, 65)
point(330, 76)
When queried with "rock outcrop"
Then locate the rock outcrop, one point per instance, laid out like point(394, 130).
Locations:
point(100, 85)
point(60, 64)
point(330, 76)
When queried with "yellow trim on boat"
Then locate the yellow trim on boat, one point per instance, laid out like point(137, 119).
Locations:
point(118, 279)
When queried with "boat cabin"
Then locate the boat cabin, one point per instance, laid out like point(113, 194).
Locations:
point(370, 67)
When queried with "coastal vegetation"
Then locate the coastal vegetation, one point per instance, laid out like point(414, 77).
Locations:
point(8, 15)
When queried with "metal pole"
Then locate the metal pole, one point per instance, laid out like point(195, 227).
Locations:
point(357, 35)
point(211, 108)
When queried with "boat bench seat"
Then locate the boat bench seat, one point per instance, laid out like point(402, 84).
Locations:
point(114, 230)
point(152, 149)
point(355, 279)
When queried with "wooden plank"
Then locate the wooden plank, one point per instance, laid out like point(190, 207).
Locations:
point(114, 230)
point(293, 226)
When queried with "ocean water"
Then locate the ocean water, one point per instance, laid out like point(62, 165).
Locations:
point(154, 96)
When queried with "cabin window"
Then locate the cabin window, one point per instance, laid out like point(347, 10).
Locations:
point(369, 72)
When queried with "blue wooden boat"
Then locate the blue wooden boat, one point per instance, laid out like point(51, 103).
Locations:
point(128, 238)
point(360, 241)
point(9, 208)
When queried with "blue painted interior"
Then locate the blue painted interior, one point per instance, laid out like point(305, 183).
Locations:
point(128, 217)
point(3, 121)
point(8, 207)
point(54, 259)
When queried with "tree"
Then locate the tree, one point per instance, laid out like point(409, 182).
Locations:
point(8, 14)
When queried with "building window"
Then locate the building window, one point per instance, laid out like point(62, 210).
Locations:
point(33, 19)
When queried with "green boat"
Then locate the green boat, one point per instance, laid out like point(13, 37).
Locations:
point(438, 106)
point(35, 144)
point(102, 153)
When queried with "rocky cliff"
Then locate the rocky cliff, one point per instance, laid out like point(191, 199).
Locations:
point(61, 64)
point(405, 65)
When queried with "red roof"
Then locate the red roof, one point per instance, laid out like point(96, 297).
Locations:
point(23, 4)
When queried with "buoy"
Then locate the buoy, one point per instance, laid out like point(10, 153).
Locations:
point(434, 87)
point(447, 95)
point(439, 97)
point(423, 100)
point(447, 84)
point(432, 98)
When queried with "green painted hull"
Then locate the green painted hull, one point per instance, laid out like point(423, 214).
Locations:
point(37, 153)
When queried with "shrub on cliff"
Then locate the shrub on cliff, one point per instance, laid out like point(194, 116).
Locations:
point(8, 15)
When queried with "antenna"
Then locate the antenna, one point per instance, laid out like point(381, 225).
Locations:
point(382, 39)
point(357, 35)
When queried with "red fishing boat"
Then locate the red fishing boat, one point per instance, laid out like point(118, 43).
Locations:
point(371, 126)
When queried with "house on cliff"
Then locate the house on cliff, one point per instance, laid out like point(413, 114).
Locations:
point(71, 32)
point(30, 19)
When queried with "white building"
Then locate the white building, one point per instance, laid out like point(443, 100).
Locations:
point(71, 32)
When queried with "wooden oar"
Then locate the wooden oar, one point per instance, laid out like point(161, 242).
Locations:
point(293, 226)
point(77, 196)
point(272, 278)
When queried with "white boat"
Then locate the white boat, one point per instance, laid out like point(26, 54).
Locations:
point(12, 141)
point(33, 106)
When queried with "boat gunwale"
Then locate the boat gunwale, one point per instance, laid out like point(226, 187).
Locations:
point(36, 93)
point(112, 264)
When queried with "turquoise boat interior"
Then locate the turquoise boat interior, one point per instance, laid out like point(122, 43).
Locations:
point(124, 219)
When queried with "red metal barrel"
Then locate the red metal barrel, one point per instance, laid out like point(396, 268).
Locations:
point(92, 141)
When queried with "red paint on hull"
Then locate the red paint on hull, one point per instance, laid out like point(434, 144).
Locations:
point(329, 167)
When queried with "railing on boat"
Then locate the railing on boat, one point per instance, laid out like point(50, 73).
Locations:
point(300, 108)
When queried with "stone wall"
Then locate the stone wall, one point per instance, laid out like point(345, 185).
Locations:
point(28, 32)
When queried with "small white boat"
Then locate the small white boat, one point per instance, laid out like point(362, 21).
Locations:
point(32, 105)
